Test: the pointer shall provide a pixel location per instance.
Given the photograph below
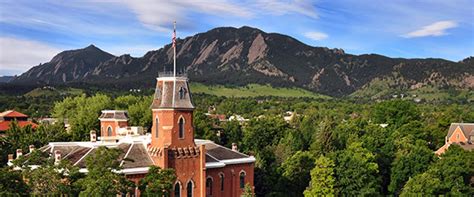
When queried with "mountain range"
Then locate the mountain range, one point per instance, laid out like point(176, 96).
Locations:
point(246, 55)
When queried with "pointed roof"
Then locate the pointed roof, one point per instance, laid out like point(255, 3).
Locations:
point(13, 114)
point(466, 128)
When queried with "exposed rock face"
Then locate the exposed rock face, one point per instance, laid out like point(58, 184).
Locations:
point(245, 55)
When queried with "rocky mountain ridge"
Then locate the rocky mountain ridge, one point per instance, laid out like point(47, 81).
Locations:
point(240, 56)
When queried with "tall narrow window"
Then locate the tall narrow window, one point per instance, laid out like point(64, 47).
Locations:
point(209, 186)
point(221, 176)
point(189, 189)
point(109, 131)
point(181, 127)
point(182, 92)
point(157, 123)
point(177, 190)
point(242, 180)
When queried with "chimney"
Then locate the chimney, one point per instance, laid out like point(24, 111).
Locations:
point(93, 136)
point(32, 148)
point(19, 153)
point(10, 158)
point(234, 147)
point(57, 157)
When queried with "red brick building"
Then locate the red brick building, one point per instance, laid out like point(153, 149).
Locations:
point(202, 167)
point(461, 134)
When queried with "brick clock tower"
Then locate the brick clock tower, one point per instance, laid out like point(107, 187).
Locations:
point(172, 141)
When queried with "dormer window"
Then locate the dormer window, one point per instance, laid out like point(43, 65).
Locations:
point(182, 92)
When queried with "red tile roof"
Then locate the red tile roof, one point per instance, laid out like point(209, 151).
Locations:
point(5, 125)
point(13, 114)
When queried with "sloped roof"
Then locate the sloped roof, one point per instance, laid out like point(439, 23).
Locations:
point(466, 128)
point(114, 114)
point(135, 155)
point(5, 125)
point(163, 97)
point(13, 114)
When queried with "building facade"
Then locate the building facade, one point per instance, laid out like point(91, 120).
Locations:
point(203, 168)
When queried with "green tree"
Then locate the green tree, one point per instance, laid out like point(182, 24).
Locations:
point(322, 178)
point(247, 191)
point(158, 182)
point(101, 180)
point(233, 132)
point(11, 183)
point(395, 112)
point(263, 132)
point(82, 112)
point(449, 175)
point(296, 171)
point(356, 172)
point(411, 159)
point(140, 112)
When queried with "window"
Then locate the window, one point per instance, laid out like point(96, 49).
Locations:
point(181, 127)
point(457, 136)
point(109, 131)
point(182, 92)
point(209, 186)
point(189, 189)
point(157, 123)
point(221, 176)
point(242, 179)
point(177, 190)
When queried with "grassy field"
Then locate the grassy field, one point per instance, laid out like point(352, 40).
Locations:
point(54, 92)
point(254, 90)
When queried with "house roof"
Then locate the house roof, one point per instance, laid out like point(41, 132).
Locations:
point(466, 128)
point(135, 155)
point(13, 114)
point(5, 125)
point(114, 115)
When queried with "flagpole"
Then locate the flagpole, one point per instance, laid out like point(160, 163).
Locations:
point(174, 50)
point(174, 62)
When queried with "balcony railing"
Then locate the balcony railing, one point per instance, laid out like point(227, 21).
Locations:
point(170, 74)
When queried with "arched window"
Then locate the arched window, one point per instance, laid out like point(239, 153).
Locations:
point(181, 127)
point(209, 186)
point(109, 131)
point(157, 123)
point(221, 176)
point(189, 189)
point(177, 190)
point(242, 179)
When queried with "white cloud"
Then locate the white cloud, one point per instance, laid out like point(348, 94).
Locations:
point(20, 55)
point(159, 16)
point(282, 7)
point(436, 29)
point(314, 35)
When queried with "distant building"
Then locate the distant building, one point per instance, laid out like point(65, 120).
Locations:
point(203, 168)
point(7, 117)
point(461, 134)
point(238, 118)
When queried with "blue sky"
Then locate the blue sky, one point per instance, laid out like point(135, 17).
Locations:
point(32, 32)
